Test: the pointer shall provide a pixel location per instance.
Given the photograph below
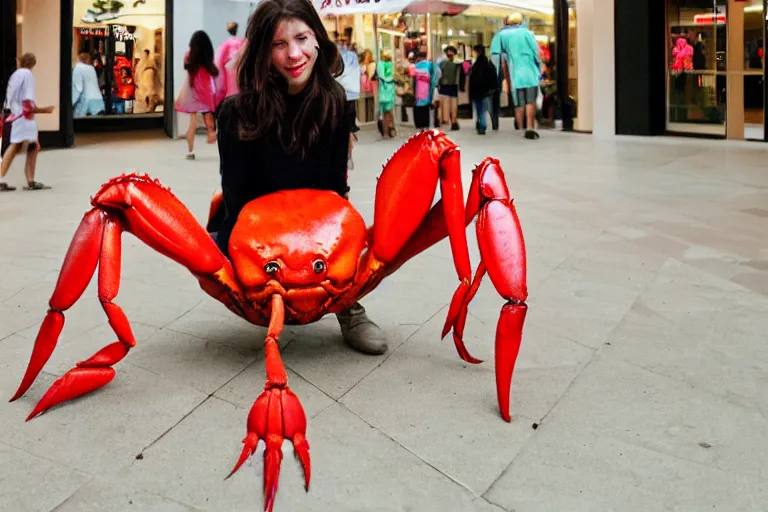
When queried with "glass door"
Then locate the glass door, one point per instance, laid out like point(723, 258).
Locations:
point(754, 79)
point(697, 67)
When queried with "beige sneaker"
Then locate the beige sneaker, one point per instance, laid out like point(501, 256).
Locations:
point(360, 332)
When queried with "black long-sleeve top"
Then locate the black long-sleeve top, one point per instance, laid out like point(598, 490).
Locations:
point(253, 168)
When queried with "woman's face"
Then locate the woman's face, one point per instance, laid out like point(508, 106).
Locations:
point(294, 53)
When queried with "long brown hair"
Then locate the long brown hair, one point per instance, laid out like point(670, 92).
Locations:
point(261, 103)
point(200, 56)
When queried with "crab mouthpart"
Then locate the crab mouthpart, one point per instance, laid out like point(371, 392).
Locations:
point(306, 300)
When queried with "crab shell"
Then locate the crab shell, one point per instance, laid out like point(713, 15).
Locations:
point(299, 243)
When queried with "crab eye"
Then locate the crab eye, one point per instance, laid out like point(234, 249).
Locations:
point(271, 267)
point(318, 266)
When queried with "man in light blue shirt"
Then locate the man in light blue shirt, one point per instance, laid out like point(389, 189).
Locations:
point(522, 55)
point(350, 81)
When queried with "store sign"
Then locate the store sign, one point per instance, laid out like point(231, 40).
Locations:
point(341, 3)
point(121, 33)
point(340, 7)
point(94, 32)
point(709, 19)
point(106, 10)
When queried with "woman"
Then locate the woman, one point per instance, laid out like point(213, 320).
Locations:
point(198, 93)
point(386, 74)
point(226, 61)
point(368, 83)
point(425, 80)
point(288, 127)
point(20, 125)
point(482, 85)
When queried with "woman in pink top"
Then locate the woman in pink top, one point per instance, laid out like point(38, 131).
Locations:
point(226, 60)
point(198, 92)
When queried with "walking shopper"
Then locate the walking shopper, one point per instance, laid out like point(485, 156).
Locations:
point(449, 88)
point(386, 75)
point(86, 93)
point(198, 92)
point(426, 78)
point(226, 60)
point(482, 85)
point(20, 125)
point(350, 81)
point(288, 128)
point(523, 57)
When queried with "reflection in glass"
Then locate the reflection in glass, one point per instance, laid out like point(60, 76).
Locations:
point(124, 43)
point(696, 79)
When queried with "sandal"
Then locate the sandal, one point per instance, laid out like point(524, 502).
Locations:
point(36, 185)
point(4, 187)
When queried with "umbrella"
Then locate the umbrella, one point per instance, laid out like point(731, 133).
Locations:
point(434, 7)
point(339, 7)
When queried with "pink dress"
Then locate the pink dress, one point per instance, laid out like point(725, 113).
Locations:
point(226, 60)
point(198, 95)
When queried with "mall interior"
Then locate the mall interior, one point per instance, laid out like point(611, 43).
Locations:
point(646, 67)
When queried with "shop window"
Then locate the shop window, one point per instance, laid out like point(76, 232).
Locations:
point(125, 45)
point(697, 80)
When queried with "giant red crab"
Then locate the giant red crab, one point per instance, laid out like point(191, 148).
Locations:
point(295, 257)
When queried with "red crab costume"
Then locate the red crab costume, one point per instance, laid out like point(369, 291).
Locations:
point(296, 256)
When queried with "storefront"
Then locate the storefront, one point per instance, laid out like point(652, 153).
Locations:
point(126, 43)
point(694, 68)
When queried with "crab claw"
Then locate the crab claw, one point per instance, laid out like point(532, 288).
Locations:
point(457, 314)
point(74, 383)
point(276, 415)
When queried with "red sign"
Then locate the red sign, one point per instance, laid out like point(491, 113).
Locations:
point(708, 19)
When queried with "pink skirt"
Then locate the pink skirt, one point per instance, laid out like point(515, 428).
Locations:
point(201, 97)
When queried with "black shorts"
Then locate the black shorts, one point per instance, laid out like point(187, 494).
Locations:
point(452, 91)
point(352, 112)
point(525, 96)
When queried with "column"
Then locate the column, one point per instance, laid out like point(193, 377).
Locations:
point(603, 69)
point(584, 50)
point(734, 117)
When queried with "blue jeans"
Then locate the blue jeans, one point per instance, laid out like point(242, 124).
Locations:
point(482, 107)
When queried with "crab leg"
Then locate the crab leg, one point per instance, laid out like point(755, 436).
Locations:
point(404, 194)
point(502, 250)
point(141, 206)
point(276, 415)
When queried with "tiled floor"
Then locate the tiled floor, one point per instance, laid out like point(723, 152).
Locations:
point(644, 362)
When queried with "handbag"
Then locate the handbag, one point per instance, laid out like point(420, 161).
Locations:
point(5, 128)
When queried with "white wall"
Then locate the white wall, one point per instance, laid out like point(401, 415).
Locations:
point(41, 35)
point(217, 13)
point(596, 64)
point(211, 16)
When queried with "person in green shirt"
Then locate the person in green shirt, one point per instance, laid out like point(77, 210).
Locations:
point(449, 88)
point(385, 70)
point(522, 56)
